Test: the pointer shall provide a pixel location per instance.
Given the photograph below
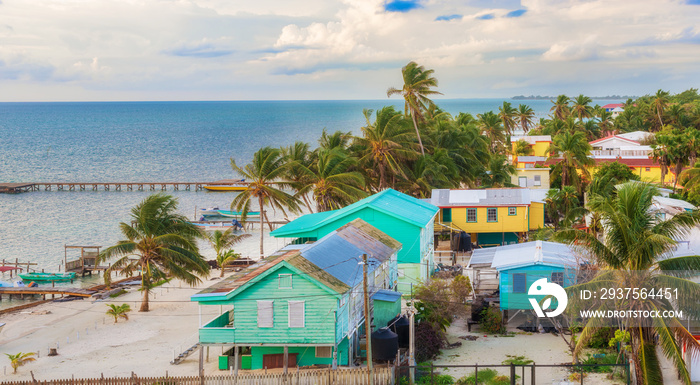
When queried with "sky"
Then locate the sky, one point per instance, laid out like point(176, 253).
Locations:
point(108, 50)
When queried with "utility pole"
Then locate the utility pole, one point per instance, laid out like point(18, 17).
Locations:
point(368, 331)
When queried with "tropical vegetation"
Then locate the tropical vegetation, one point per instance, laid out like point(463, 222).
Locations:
point(19, 359)
point(222, 242)
point(159, 244)
point(118, 311)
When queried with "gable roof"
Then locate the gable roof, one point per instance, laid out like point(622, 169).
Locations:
point(389, 201)
point(526, 254)
point(332, 261)
point(610, 137)
point(613, 105)
point(481, 197)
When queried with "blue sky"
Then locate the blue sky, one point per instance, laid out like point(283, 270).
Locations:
point(63, 50)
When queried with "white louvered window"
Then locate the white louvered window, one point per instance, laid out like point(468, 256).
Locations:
point(296, 314)
point(265, 314)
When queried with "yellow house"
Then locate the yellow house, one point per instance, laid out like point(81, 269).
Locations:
point(530, 177)
point(491, 216)
point(538, 143)
point(646, 169)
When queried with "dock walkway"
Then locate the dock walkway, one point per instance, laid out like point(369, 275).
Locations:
point(16, 188)
point(21, 291)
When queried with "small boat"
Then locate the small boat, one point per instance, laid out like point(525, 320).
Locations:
point(219, 225)
point(48, 277)
point(210, 212)
point(236, 214)
point(225, 187)
point(12, 284)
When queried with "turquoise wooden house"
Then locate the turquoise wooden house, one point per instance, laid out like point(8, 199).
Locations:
point(303, 305)
point(404, 218)
point(520, 265)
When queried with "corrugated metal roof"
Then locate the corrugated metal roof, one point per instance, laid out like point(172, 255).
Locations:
point(389, 201)
point(339, 253)
point(531, 139)
point(386, 295)
point(671, 202)
point(531, 159)
point(481, 197)
point(482, 257)
point(533, 253)
point(333, 260)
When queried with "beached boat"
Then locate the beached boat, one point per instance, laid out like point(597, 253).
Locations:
point(218, 225)
point(210, 212)
point(238, 214)
point(48, 277)
point(234, 187)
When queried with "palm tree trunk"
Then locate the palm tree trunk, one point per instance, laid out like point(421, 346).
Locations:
point(144, 302)
point(679, 168)
point(222, 271)
point(260, 202)
point(269, 225)
point(306, 202)
point(415, 125)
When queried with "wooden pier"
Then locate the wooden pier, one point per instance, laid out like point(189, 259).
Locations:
point(86, 263)
point(43, 291)
point(16, 188)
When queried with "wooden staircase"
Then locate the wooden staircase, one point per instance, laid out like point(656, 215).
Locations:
point(185, 354)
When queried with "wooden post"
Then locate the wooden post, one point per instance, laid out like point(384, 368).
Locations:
point(368, 331)
point(286, 359)
point(235, 360)
point(412, 346)
point(201, 364)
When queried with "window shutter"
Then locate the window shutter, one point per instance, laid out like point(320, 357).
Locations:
point(265, 314)
point(296, 314)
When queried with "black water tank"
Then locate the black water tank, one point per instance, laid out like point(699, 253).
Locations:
point(401, 326)
point(385, 345)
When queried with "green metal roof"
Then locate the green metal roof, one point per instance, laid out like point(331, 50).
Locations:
point(389, 201)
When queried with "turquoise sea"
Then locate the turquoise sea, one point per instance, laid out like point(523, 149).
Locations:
point(148, 141)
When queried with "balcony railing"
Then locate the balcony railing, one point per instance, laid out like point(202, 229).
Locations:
point(620, 153)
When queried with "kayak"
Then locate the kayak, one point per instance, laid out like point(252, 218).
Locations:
point(49, 277)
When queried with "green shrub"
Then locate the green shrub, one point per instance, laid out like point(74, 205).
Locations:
point(599, 359)
point(436, 379)
point(517, 360)
point(492, 321)
point(600, 338)
point(486, 377)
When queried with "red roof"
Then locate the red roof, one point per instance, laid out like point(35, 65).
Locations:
point(612, 136)
point(613, 105)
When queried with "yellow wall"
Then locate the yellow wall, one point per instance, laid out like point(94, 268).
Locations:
point(530, 173)
point(506, 223)
point(652, 176)
point(536, 215)
point(540, 148)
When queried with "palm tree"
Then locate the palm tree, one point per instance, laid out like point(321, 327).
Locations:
point(500, 171)
point(659, 104)
point(427, 173)
point(491, 127)
point(507, 115)
point(221, 242)
point(582, 108)
point(525, 116)
point(560, 109)
point(119, 311)
point(660, 155)
point(385, 143)
point(417, 86)
point(637, 252)
point(19, 359)
point(164, 243)
point(571, 150)
point(226, 258)
point(336, 140)
point(522, 147)
point(298, 156)
point(265, 183)
point(333, 183)
point(605, 122)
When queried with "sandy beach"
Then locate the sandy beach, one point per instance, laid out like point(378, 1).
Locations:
point(91, 344)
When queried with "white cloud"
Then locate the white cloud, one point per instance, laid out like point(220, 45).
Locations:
point(214, 49)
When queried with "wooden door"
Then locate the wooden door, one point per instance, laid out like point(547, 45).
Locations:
point(272, 361)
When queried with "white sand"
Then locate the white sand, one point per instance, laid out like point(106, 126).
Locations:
point(90, 344)
point(489, 349)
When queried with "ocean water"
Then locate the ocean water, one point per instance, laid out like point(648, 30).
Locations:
point(149, 141)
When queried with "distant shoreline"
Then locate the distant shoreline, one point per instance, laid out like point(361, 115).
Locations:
point(539, 97)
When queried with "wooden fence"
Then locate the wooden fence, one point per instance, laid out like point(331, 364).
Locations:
point(355, 376)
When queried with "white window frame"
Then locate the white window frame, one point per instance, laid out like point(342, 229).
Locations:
point(290, 305)
point(266, 314)
point(538, 180)
point(330, 352)
point(522, 181)
point(279, 281)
